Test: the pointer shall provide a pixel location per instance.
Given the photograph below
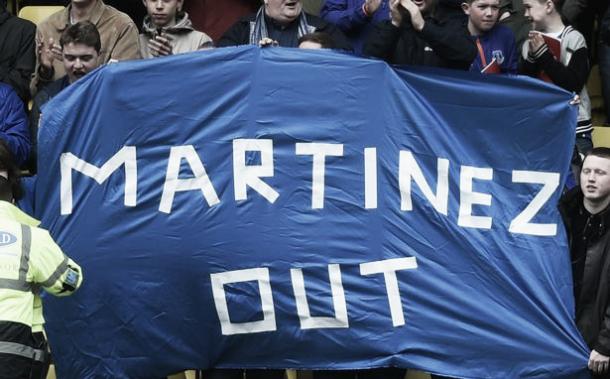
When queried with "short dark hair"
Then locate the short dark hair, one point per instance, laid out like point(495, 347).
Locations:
point(10, 186)
point(83, 32)
point(602, 152)
point(321, 38)
point(558, 4)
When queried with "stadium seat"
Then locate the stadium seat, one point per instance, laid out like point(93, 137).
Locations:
point(37, 14)
point(601, 136)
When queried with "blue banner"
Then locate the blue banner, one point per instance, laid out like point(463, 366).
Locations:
point(280, 208)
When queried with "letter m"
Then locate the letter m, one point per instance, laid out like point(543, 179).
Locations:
point(125, 157)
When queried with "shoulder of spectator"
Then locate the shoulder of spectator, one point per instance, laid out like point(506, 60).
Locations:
point(122, 20)
point(574, 39)
point(23, 25)
point(56, 22)
point(237, 34)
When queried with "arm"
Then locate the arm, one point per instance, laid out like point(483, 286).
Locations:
point(14, 127)
point(526, 66)
point(450, 42)
point(572, 77)
point(347, 18)
point(44, 71)
point(127, 45)
point(19, 76)
point(56, 273)
point(382, 41)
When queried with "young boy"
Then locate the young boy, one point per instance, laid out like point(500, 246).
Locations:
point(497, 51)
point(566, 64)
point(167, 30)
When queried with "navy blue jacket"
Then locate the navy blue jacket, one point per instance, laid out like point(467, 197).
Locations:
point(350, 18)
point(14, 124)
point(498, 43)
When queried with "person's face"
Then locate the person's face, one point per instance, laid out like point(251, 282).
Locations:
point(536, 12)
point(79, 60)
point(595, 178)
point(482, 15)
point(163, 12)
point(309, 45)
point(425, 6)
point(283, 11)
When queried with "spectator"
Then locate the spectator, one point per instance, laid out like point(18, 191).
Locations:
point(118, 33)
point(215, 17)
point(81, 50)
point(414, 36)
point(167, 30)
point(14, 124)
point(17, 57)
point(582, 14)
point(495, 43)
point(282, 22)
point(355, 17)
point(586, 217)
point(567, 67)
point(30, 262)
point(317, 40)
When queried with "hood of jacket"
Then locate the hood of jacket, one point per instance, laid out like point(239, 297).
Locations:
point(183, 25)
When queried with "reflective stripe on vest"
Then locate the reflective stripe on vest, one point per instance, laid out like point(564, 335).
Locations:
point(59, 271)
point(22, 351)
point(21, 284)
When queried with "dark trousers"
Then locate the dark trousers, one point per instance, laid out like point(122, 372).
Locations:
point(239, 374)
point(377, 373)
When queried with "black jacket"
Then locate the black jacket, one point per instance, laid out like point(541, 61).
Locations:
point(440, 44)
point(239, 33)
point(17, 56)
point(42, 97)
point(594, 324)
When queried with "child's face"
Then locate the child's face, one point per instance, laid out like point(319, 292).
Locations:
point(536, 11)
point(482, 14)
point(163, 12)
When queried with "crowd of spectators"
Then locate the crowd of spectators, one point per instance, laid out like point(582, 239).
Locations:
point(549, 39)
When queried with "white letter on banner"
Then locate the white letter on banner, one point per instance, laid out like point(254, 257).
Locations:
point(370, 178)
point(388, 268)
point(126, 156)
point(521, 223)
point(245, 176)
point(468, 198)
point(319, 152)
point(339, 304)
point(261, 275)
point(173, 184)
point(409, 169)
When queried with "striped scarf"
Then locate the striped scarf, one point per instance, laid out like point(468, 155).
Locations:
point(258, 27)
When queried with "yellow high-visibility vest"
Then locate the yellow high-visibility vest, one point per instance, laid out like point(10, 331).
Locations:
point(30, 260)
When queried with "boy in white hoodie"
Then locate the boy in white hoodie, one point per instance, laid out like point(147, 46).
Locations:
point(168, 30)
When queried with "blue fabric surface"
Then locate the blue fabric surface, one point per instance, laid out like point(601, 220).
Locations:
point(482, 302)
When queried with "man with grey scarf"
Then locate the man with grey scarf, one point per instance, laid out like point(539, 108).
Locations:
point(279, 23)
